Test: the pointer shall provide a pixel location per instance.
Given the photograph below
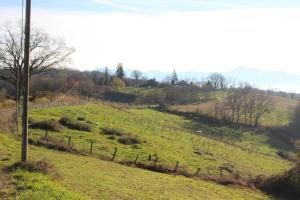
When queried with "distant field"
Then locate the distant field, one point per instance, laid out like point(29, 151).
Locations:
point(279, 116)
point(168, 137)
point(84, 177)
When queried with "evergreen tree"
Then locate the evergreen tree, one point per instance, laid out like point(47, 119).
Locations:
point(174, 78)
point(120, 71)
point(106, 76)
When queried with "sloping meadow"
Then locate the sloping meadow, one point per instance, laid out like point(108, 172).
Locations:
point(147, 136)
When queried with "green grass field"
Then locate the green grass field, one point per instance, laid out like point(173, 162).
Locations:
point(168, 137)
point(84, 177)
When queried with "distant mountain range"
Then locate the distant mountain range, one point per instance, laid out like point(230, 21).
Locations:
point(262, 79)
point(274, 80)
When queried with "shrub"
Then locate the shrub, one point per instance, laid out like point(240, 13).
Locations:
point(42, 166)
point(111, 131)
point(52, 143)
point(50, 125)
point(286, 186)
point(81, 118)
point(129, 140)
point(76, 125)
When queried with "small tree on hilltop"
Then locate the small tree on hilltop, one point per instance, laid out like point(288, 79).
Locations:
point(136, 75)
point(174, 78)
point(120, 71)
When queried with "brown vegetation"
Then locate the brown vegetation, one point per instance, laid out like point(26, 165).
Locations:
point(50, 125)
point(129, 140)
point(244, 105)
point(53, 143)
point(285, 186)
point(76, 125)
point(42, 166)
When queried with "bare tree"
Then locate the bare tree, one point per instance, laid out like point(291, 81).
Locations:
point(137, 75)
point(218, 81)
point(244, 102)
point(263, 104)
point(45, 52)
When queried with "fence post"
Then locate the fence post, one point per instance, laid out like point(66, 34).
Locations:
point(91, 148)
point(150, 158)
point(197, 172)
point(221, 171)
point(115, 153)
point(46, 135)
point(69, 140)
point(136, 159)
point(176, 167)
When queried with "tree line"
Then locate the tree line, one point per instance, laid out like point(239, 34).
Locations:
point(244, 105)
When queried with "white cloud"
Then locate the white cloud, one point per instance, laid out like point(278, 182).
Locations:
point(266, 39)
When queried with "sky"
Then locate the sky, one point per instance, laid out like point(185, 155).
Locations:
point(186, 35)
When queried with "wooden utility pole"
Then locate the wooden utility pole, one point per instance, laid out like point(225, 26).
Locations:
point(24, 156)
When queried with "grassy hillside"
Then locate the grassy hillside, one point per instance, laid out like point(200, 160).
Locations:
point(92, 178)
point(168, 137)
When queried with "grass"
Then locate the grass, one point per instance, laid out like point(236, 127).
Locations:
point(169, 137)
point(36, 186)
point(98, 179)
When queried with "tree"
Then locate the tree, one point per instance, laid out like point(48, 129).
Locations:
point(218, 81)
point(120, 71)
point(106, 76)
point(263, 104)
point(117, 83)
point(45, 52)
point(136, 75)
point(174, 78)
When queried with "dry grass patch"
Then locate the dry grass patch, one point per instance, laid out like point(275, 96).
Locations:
point(75, 125)
point(41, 166)
point(50, 125)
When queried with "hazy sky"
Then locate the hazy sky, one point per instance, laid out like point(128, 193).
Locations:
point(202, 35)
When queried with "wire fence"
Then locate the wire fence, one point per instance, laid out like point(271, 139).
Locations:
point(149, 162)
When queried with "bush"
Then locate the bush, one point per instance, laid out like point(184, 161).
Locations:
point(81, 118)
point(50, 125)
point(52, 143)
point(42, 166)
point(286, 186)
point(111, 131)
point(76, 125)
point(129, 140)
